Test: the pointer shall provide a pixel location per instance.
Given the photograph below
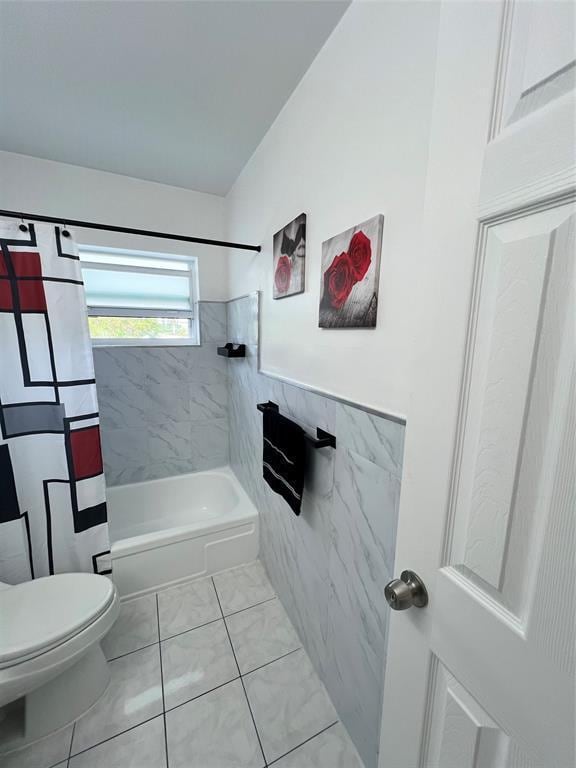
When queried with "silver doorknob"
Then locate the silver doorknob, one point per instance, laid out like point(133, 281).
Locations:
point(405, 592)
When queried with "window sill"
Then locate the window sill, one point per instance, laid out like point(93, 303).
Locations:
point(97, 343)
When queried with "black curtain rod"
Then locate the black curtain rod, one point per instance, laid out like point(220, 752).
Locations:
point(129, 230)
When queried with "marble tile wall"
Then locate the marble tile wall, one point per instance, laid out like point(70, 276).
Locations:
point(330, 565)
point(169, 410)
point(164, 410)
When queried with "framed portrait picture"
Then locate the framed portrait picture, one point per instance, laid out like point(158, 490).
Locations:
point(289, 252)
point(350, 276)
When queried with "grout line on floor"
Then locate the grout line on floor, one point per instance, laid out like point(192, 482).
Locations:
point(162, 683)
point(215, 588)
point(242, 683)
point(38, 741)
point(305, 742)
point(241, 610)
point(185, 631)
point(199, 696)
point(162, 588)
point(70, 749)
point(135, 650)
point(245, 674)
point(240, 675)
point(120, 733)
point(203, 694)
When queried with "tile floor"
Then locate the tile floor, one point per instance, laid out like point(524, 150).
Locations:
point(210, 674)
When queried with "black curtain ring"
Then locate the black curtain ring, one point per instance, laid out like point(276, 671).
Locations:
point(65, 232)
point(22, 227)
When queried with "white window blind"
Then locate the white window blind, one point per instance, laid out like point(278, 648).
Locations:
point(136, 297)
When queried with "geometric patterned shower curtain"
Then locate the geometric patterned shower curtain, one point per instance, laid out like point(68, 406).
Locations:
point(52, 489)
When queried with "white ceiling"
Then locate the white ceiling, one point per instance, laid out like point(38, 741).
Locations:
point(175, 92)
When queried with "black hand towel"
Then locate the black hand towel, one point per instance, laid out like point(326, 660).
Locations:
point(284, 457)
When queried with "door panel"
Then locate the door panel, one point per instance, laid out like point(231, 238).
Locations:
point(538, 43)
point(462, 734)
point(517, 366)
point(530, 154)
point(513, 283)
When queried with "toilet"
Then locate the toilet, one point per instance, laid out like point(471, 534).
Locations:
point(52, 668)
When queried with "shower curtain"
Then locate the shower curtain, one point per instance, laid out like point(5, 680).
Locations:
point(52, 490)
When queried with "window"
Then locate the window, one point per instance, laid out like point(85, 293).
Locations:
point(137, 297)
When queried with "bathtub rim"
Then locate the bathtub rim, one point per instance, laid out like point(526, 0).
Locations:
point(245, 512)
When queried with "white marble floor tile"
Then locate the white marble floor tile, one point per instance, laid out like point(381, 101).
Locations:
point(135, 627)
point(330, 749)
point(141, 747)
point(187, 606)
point(261, 634)
point(45, 753)
point(289, 703)
point(195, 662)
point(214, 731)
point(134, 694)
point(243, 587)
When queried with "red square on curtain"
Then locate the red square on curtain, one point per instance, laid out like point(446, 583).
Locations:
point(5, 296)
point(32, 296)
point(3, 270)
point(86, 452)
point(27, 264)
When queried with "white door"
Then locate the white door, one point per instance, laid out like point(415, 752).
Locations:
point(484, 676)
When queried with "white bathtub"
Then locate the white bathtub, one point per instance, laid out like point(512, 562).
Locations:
point(177, 528)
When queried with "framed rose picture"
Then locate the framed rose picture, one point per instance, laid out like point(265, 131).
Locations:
point(350, 276)
point(290, 258)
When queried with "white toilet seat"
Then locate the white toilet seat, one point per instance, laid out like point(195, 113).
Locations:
point(52, 657)
point(40, 615)
point(29, 663)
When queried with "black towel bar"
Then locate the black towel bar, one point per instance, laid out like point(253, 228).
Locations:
point(323, 439)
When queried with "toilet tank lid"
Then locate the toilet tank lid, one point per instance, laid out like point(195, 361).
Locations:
point(42, 613)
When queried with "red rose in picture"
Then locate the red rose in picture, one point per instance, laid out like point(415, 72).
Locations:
point(338, 281)
point(283, 274)
point(360, 252)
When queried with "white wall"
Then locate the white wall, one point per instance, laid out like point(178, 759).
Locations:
point(351, 142)
point(57, 189)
